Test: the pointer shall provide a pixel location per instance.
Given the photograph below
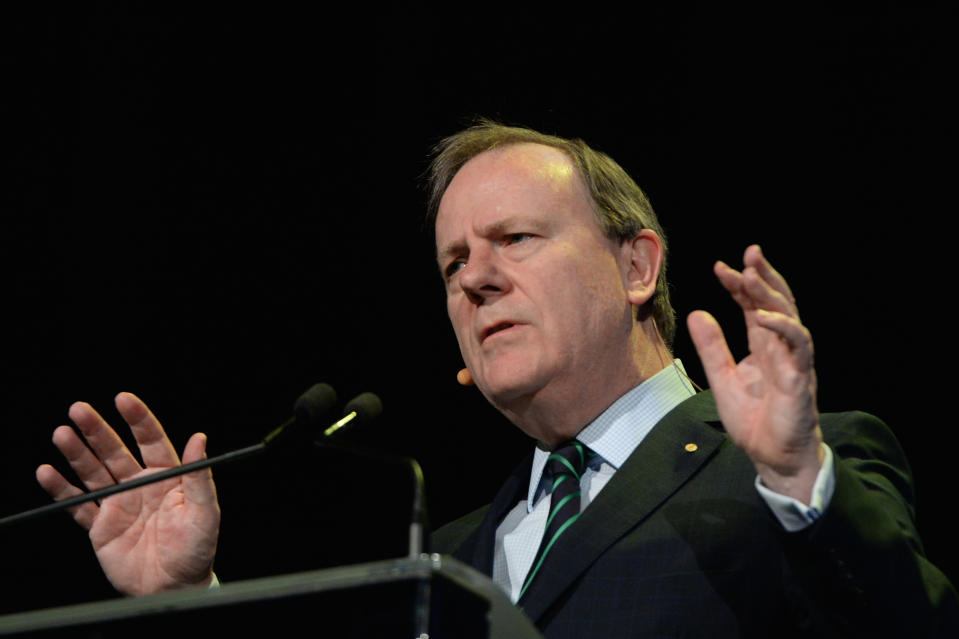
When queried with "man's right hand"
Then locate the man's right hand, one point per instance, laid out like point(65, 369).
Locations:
point(159, 537)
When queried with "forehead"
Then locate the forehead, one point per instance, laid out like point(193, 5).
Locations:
point(517, 181)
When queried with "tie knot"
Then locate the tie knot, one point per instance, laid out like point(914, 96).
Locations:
point(569, 459)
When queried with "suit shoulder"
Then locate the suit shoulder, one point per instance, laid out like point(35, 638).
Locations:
point(449, 537)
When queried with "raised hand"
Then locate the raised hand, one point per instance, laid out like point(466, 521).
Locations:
point(767, 402)
point(159, 537)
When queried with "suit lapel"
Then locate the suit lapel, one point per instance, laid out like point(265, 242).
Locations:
point(662, 463)
point(478, 549)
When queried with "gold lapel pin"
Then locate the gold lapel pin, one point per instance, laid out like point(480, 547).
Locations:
point(691, 447)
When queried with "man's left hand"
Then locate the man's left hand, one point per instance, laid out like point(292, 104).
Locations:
point(767, 402)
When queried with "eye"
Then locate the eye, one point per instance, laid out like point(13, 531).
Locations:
point(516, 238)
point(453, 267)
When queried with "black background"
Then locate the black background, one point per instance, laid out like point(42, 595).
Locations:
point(216, 208)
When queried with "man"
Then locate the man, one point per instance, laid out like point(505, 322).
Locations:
point(554, 270)
point(560, 310)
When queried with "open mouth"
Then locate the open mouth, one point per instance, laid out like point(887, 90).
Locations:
point(496, 328)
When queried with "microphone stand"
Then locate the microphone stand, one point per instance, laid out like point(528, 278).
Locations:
point(418, 523)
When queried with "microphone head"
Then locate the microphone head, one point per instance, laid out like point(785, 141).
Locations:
point(312, 405)
point(464, 377)
point(367, 407)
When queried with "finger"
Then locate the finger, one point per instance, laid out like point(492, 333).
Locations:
point(59, 488)
point(711, 346)
point(104, 441)
point(730, 278)
point(796, 336)
point(155, 447)
point(198, 486)
point(84, 463)
point(750, 290)
point(755, 258)
point(763, 295)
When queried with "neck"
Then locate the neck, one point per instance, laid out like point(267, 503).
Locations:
point(558, 412)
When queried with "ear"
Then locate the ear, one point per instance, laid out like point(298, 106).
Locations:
point(644, 256)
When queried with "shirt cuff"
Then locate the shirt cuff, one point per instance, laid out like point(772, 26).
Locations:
point(792, 513)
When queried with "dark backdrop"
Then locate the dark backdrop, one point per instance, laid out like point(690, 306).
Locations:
point(216, 208)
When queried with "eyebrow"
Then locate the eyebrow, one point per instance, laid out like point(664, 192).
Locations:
point(453, 248)
point(497, 227)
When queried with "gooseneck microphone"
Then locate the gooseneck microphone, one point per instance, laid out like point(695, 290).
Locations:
point(361, 409)
point(364, 408)
point(308, 410)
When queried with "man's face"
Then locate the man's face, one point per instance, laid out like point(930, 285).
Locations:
point(535, 291)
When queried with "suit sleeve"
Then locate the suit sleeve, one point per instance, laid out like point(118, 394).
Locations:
point(861, 567)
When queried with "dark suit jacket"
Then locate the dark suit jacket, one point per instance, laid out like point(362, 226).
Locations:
point(679, 543)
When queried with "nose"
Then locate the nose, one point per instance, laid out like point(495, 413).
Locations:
point(483, 279)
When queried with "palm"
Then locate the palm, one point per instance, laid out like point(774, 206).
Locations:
point(763, 400)
point(154, 538)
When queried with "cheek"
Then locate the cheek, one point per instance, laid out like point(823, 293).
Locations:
point(460, 324)
point(594, 304)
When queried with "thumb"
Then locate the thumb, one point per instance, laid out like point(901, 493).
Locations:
point(710, 345)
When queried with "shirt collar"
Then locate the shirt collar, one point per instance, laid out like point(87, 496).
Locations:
point(618, 430)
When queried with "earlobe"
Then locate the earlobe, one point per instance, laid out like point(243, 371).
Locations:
point(645, 255)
